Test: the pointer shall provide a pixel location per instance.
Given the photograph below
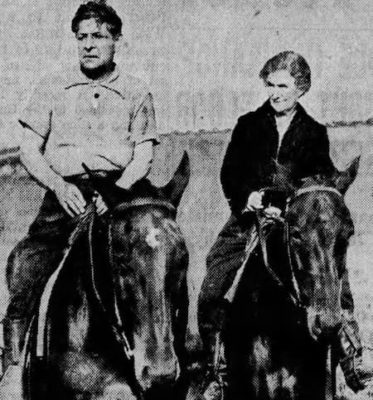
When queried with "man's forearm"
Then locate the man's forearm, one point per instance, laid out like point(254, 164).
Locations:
point(139, 167)
point(36, 165)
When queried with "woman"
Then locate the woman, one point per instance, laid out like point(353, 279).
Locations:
point(280, 130)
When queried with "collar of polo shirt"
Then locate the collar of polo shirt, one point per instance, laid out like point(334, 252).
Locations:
point(76, 77)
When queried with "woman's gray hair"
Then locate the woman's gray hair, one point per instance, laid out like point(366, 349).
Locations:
point(292, 62)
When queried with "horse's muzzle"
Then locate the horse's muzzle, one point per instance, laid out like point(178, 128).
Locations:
point(323, 325)
point(158, 376)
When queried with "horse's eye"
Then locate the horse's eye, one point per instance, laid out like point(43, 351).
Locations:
point(295, 235)
point(341, 245)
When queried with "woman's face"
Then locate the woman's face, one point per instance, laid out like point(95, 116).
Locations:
point(282, 91)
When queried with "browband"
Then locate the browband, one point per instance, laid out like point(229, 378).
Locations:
point(317, 188)
point(144, 202)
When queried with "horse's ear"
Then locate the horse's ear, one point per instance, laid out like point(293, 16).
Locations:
point(175, 188)
point(88, 171)
point(344, 179)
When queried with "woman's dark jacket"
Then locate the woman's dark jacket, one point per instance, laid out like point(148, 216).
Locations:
point(248, 163)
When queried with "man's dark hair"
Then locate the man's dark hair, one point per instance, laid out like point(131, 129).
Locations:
point(292, 62)
point(101, 12)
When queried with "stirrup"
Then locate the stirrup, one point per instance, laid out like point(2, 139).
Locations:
point(358, 375)
point(215, 382)
point(12, 351)
point(214, 387)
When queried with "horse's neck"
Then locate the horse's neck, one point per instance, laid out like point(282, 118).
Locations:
point(276, 246)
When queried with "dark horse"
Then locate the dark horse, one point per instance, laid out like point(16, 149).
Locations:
point(112, 320)
point(287, 307)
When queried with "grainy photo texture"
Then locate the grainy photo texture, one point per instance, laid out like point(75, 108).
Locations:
point(186, 200)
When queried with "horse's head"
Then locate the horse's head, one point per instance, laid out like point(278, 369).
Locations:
point(319, 226)
point(150, 259)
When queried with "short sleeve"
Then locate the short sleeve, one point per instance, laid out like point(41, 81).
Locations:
point(38, 112)
point(143, 126)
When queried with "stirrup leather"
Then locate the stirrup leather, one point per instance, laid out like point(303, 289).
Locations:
point(215, 380)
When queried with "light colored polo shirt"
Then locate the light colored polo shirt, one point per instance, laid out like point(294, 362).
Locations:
point(95, 122)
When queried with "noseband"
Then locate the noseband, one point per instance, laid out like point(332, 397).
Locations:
point(294, 293)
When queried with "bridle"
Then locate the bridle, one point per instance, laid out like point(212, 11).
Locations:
point(294, 293)
point(117, 324)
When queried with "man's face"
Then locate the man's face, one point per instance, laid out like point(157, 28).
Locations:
point(282, 91)
point(96, 45)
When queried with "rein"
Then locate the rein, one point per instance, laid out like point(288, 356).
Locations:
point(115, 320)
point(81, 227)
point(295, 294)
point(294, 297)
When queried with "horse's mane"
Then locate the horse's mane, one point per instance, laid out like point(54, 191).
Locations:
point(318, 179)
point(144, 189)
point(114, 195)
point(284, 181)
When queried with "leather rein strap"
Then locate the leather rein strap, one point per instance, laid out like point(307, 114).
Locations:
point(294, 294)
point(85, 225)
point(113, 318)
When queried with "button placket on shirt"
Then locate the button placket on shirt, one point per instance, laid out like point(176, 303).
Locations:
point(94, 95)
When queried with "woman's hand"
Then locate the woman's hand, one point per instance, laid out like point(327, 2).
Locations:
point(272, 212)
point(254, 202)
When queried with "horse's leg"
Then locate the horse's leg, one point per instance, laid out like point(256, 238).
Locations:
point(33, 384)
point(312, 372)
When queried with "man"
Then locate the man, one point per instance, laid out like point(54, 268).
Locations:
point(94, 114)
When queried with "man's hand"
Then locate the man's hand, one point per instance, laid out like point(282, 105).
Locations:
point(32, 157)
point(100, 204)
point(70, 198)
point(254, 201)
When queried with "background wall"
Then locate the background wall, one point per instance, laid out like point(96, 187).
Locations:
point(202, 58)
